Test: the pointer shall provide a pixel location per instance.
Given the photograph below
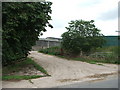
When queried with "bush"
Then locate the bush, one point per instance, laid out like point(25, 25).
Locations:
point(52, 50)
point(22, 23)
point(81, 36)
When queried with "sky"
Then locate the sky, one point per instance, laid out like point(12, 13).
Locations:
point(103, 12)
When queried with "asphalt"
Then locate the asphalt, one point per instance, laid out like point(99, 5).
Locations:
point(110, 82)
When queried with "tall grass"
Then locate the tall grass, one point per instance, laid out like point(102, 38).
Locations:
point(108, 54)
point(114, 49)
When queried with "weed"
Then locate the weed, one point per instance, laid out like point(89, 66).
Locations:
point(30, 81)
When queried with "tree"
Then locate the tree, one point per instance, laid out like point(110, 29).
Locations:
point(81, 36)
point(22, 23)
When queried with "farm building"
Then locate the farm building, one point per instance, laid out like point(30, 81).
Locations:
point(51, 42)
point(46, 43)
point(111, 41)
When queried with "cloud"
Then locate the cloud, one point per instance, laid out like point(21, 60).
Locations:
point(107, 27)
point(90, 3)
point(104, 12)
point(58, 23)
point(119, 9)
point(54, 32)
point(109, 15)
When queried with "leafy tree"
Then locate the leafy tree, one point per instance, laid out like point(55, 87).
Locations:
point(22, 23)
point(81, 36)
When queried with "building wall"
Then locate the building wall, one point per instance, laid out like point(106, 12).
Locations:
point(45, 44)
point(111, 41)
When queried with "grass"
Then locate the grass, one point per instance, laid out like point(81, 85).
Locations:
point(108, 49)
point(38, 67)
point(20, 66)
point(92, 62)
point(103, 55)
point(84, 60)
point(100, 64)
point(96, 60)
point(15, 77)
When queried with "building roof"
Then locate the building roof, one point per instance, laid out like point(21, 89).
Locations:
point(51, 39)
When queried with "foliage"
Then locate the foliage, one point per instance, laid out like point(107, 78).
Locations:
point(81, 36)
point(52, 50)
point(22, 23)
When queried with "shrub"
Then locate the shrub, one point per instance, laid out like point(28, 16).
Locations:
point(52, 50)
point(81, 36)
point(22, 23)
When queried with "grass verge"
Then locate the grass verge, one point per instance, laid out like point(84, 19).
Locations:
point(19, 66)
point(38, 67)
point(101, 55)
point(13, 77)
point(96, 60)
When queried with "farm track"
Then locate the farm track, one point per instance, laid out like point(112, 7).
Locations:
point(63, 72)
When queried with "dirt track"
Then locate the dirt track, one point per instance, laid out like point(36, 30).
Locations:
point(62, 71)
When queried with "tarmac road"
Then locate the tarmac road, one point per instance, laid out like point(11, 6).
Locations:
point(111, 82)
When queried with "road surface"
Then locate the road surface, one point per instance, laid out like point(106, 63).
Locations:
point(105, 83)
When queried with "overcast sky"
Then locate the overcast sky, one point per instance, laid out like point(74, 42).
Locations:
point(104, 12)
